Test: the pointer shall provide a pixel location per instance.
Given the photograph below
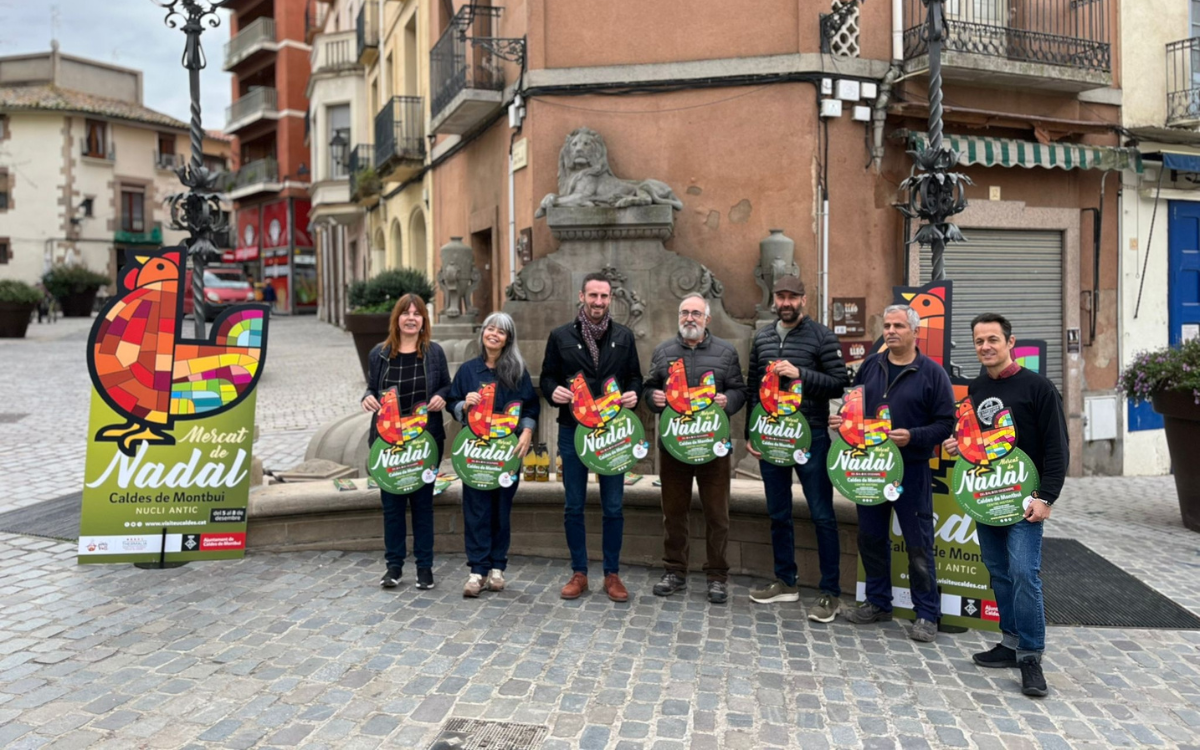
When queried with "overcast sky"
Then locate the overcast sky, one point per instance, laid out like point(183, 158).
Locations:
point(130, 33)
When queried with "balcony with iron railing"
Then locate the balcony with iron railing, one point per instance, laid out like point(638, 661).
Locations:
point(366, 32)
point(253, 177)
point(1053, 45)
point(400, 138)
point(257, 36)
point(258, 103)
point(168, 161)
point(364, 180)
point(466, 82)
point(1183, 83)
point(333, 53)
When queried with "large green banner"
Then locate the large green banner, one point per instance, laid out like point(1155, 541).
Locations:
point(167, 475)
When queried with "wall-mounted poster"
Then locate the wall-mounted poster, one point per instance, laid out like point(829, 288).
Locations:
point(692, 427)
point(849, 316)
point(167, 474)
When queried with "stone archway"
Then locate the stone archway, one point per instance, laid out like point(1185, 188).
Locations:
point(395, 248)
point(418, 243)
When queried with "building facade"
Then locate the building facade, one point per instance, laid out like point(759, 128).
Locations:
point(799, 116)
point(84, 166)
point(269, 59)
point(1160, 207)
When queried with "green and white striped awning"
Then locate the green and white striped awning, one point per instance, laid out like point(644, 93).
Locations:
point(1002, 152)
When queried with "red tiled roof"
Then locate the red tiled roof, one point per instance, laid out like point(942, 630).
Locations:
point(46, 97)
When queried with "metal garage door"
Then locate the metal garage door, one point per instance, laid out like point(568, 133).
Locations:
point(1015, 273)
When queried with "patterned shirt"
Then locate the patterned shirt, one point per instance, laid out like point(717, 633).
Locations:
point(408, 373)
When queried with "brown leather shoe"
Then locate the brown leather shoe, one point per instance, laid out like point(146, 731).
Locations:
point(575, 587)
point(614, 588)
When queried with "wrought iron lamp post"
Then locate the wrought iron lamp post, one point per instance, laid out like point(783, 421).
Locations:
point(199, 209)
point(934, 192)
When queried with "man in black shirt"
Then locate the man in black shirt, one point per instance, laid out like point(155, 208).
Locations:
point(599, 347)
point(1013, 554)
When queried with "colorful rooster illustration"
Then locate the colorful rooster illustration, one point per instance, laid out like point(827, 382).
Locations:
point(591, 412)
point(778, 403)
point(860, 432)
point(980, 447)
point(930, 304)
point(395, 429)
point(685, 399)
point(488, 425)
point(144, 369)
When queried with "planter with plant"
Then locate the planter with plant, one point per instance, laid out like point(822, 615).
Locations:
point(371, 304)
point(75, 288)
point(17, 302)
point(366, 183)
point(1170, 380)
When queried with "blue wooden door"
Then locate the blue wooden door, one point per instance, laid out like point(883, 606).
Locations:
point(1183, 269)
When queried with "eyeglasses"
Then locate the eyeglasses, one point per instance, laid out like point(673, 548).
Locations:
point(697, 314)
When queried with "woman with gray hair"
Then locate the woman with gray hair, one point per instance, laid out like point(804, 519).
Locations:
point(487, 528)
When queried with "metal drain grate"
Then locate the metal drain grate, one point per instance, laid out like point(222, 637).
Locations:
point(1082, 588)
point(472, 734)
point(56, 519)
point(11, 418)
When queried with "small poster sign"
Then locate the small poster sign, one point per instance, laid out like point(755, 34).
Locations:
point(484, 455)
point(403, 455)
point(777, 428)
point(692, 427)
point(609, 439)
point(864, 464)
point(993, 477)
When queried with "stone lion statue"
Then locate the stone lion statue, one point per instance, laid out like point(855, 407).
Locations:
point(585, 179)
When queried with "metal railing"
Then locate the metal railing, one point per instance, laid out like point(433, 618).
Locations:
point(256, 33)
point(259, 100)
point(167, 161)
point(254, 173)
point(455, 64)
point(366, 28)
point(1070, 33)
point(400, 130)
point(333, 52)
point(1183, 82)
point(362, 169)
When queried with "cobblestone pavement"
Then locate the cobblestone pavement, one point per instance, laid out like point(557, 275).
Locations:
point(303, 649)
point(312, 376)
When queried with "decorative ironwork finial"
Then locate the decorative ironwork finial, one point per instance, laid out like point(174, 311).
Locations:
point(193, 16)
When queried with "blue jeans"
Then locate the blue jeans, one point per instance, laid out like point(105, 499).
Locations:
point(395, 531)
point(1013, 556)
point(818, 493)
point(487, 527)
point(914, 511)
point(612, 495)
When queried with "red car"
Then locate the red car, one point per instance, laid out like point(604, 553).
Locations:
point(222, 287)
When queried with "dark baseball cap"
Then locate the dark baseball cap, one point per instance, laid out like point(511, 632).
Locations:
point(789, 284)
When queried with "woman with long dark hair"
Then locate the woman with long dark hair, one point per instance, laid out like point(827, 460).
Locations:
point(415, 365)
point(487, 527)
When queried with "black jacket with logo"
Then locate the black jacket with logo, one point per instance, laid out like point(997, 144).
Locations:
point(567, 354)
point(812, 348)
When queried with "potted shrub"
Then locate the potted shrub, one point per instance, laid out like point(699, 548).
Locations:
point(17, 301)
point(371, 304)
point(75, 288)
point(1170, 380)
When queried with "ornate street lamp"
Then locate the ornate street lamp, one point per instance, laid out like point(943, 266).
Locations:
point(199, 209)
point(337, 154)
point(935, 193)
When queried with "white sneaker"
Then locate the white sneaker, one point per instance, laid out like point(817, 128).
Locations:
point(473, 586)
point(495, 580)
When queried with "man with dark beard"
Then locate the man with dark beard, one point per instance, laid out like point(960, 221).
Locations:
point(811, 352)
point(599, 348)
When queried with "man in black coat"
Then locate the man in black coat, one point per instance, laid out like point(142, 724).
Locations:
point(600, 348)
point(811, 352)
point(701, 352)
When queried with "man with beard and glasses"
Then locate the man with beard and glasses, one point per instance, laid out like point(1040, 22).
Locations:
point(811, 352)
point(600, 348)
point(700, 352)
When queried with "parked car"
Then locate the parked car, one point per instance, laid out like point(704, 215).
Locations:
point(222, 287)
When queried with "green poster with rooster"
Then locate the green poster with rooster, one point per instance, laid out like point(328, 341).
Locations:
point(171, 423)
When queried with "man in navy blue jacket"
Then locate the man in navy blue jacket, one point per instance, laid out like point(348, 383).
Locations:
point(918, 393)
